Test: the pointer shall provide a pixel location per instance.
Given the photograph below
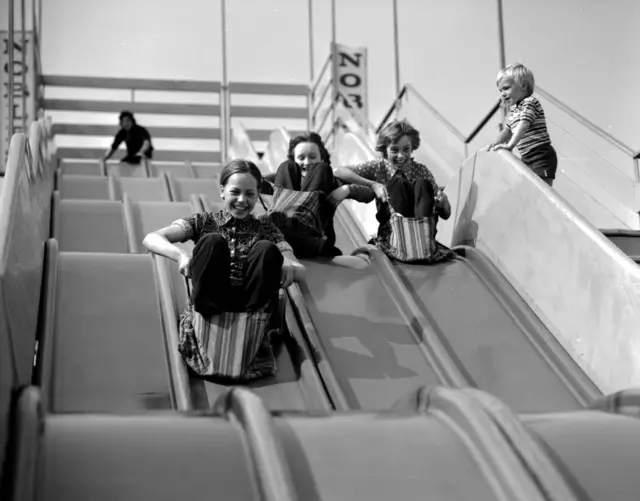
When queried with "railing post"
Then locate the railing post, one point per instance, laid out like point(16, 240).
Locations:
point(224, 93)
point(35, 77)
point(310, 12)
point(23, 59)
point(334, 65)
point(10, 128)
point(396, 45)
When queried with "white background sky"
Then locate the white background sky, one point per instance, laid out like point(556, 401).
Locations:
point(585, 52)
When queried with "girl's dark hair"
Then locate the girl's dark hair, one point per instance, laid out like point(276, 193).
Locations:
point(240, 166)
point(393, 132)
point(127, 114)
point(309, 137)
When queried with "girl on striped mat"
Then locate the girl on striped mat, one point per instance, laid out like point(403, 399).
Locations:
point(408, 199)
point(238, 266)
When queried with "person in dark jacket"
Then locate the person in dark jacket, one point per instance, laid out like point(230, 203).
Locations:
point(135, 137)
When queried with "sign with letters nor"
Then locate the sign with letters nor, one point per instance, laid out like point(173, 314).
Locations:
point(21, 108)
point(351, 77)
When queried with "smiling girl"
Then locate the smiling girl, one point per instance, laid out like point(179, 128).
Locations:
point(407, 185)
point(239, 263)
point(308, 169)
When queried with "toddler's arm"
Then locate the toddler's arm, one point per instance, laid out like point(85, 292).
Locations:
point(518, 134)
point(502, 138)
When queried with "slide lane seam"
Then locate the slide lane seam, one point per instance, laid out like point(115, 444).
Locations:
point(449, 370)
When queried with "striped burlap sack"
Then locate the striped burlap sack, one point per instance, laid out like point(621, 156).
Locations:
point(408, 239)
point(234, 345)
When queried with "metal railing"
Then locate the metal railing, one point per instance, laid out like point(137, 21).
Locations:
point(453, 130)
point(632, 155)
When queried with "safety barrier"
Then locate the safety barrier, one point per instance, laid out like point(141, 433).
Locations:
point(580, 284)
point(25, 206)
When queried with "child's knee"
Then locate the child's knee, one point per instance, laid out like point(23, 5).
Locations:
point(424, 187)
point(209, 241)
point(323, 169)
point(289, 165)
point(270, 252)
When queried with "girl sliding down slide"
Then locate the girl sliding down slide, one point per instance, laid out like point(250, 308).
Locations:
point(306, 196)
point(408, 199)
point(238, 266)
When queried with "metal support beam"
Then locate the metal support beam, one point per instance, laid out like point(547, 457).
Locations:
point(225, 119)
point(396, 46)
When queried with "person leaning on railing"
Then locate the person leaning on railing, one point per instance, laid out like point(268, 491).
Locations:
point(136, 138)
point(526, 127)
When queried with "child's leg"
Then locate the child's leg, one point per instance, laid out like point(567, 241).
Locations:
point(319, 178)
point(289, 176)
point(543, 161)
point(424, 198)
point(401, 195)
point(210, 270)
point(262, 274)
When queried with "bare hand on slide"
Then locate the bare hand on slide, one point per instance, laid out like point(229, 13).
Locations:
point(183, 264)
point(286, 277)
point(381, 192)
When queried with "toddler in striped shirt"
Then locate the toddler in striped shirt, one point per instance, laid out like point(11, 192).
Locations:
point(526, 127)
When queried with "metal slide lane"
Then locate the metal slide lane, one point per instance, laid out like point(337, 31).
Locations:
point(446, 451)
point(182, 188)
point(504, 347)
point(493, 334)
point(296, 385)
point(181, 170)
point(82, 187)
point(101, 344)
point(160, 457)
point(490, 333)
point(367, 347)
point(138, 188)
point(443, 444)
point(88, 225)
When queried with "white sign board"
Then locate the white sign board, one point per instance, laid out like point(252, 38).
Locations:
point(23, 108)
point(350, 68)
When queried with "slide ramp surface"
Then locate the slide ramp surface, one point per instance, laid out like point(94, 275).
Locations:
point(486, 330)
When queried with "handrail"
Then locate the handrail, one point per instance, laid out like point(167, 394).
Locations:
point(269, 460)
point(392, 108)
point(483, 122)
point(178, 371)
point(589, 124)
point(314, 87)
point(444, 121)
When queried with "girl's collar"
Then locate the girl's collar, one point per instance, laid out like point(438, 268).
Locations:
point(227, 217)
point(395, 169)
